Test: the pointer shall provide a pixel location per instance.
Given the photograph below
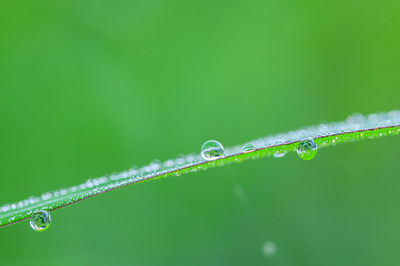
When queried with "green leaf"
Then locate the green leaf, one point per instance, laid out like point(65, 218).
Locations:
point(355, 127)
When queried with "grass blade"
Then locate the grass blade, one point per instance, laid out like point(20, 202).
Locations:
point(355, 127)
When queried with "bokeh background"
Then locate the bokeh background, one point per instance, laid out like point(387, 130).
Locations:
point(89, 88)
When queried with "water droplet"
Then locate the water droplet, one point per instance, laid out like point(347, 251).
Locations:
point(307, 149)
point(248, 147)
point(212, 150)
point(40, 221)
point(355, 118)
point(279, 154)
point(155, 165)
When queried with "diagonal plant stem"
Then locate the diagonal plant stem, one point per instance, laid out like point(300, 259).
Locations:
point(355, 127)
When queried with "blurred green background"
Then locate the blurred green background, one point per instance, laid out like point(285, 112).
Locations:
point(88, 88)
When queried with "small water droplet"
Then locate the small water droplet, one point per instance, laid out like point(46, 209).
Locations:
point(307, 149)
point(155, 165)
point(355, 118)
point(212, 150)
point(248, 147)
point(40, 221)
point(279, 154)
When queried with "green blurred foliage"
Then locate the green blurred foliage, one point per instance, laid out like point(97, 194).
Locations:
point(93, 87)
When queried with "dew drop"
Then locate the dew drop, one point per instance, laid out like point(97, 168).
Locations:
point(307, 149)
point(248, 147)
point(40, 221)
point(279, 154)
point(212, 150)
point(355, 118)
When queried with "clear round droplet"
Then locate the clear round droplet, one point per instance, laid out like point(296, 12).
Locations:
point(248, 147)
point(40, 221)
point(307, 149)
point(212, 150)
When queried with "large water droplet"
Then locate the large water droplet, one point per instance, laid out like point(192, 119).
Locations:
point(212, 150)
point(248, 147)
point(40, 221)
point(307, 149)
